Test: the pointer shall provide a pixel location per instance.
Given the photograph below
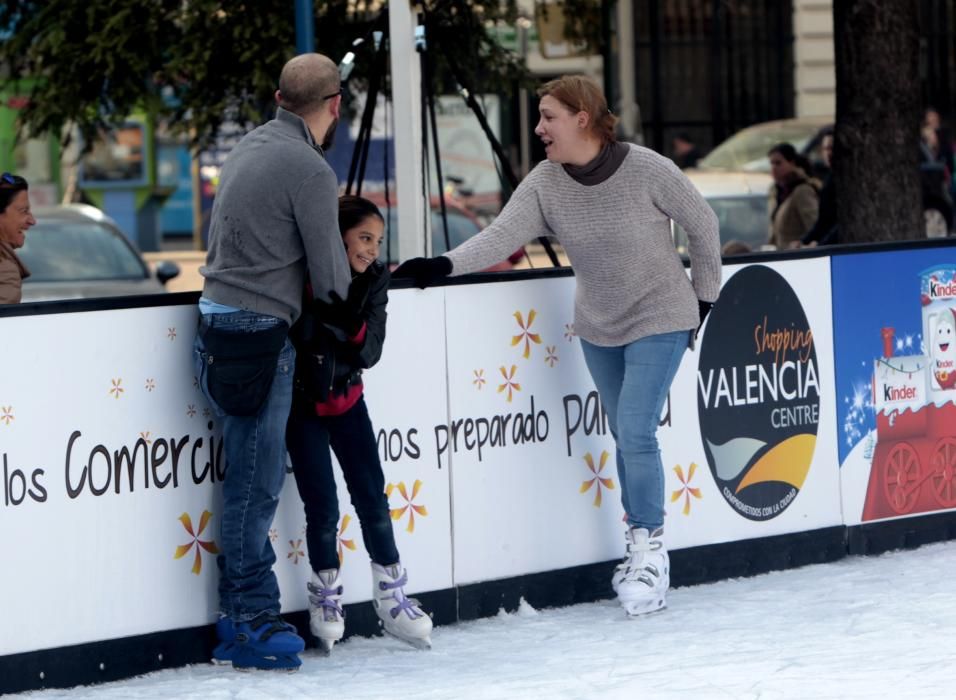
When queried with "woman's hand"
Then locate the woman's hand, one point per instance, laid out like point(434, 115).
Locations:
point(424, 271)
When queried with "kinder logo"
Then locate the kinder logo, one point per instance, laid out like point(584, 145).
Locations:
point(758, 394)
point(901, 393)
point(942, 291)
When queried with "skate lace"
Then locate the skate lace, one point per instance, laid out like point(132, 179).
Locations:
point(327, 599)
point(275, 626)
point(409, 605)
point(636, 568)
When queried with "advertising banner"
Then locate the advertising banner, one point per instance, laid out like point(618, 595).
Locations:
point(111, 463)
point(896, 382)
point(747, 435)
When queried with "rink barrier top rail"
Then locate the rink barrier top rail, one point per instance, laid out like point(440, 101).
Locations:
point(184, 298)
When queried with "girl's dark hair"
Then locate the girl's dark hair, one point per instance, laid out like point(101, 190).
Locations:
point(789, 153)
point(10, 186)
point(354, 210)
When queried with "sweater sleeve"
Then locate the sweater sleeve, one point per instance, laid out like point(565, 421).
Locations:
point(677, 197)
point(315, 206)
point(520, 221)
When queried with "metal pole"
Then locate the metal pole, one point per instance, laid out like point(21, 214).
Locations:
point(414, 228)
point(304, 27)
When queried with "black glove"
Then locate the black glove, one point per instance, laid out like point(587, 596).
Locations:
point(704, 308)
point(424, 271)
point(341, 313)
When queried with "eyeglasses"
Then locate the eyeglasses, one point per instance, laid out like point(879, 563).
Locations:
point(334, 94)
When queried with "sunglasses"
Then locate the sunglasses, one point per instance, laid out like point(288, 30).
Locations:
point(334, 94)
point(8, 179)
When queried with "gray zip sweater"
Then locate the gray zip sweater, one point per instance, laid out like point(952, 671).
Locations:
point(275, 219)
point(631, 282)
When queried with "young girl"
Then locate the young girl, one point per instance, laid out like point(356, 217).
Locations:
point(334, 343)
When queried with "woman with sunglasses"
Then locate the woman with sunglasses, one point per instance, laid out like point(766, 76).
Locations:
point(15, 219)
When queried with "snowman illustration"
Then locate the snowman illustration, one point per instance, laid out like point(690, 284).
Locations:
point(942, 350)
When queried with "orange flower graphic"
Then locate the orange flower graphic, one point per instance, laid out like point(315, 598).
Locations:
point(150, 384)
point(349, 544)
point(479, 380)
point(146, 436)
point(209, 545)
point(598, 480)
point(296, 552)
point(409, 506)
point(7, 415)
point(552, 355)
point(569, 333)
point(509, 384)
point(525, 333)
point(117, 388)
point(686, 490)
point(171, 333)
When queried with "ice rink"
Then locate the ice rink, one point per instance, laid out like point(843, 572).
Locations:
point(876, 627)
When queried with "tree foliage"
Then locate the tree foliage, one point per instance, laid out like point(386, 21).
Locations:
point(191, 62)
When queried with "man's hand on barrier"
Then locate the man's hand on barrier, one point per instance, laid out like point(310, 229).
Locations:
point(424, 271)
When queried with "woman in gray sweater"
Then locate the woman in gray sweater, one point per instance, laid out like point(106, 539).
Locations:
point(636, 310)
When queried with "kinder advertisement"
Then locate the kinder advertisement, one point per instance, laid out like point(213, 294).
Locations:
point(896, 374)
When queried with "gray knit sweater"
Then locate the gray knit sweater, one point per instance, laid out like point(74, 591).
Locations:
point(275, 219)
point(631, 282)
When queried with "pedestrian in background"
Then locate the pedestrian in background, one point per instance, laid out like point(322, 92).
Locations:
point(825, 230)
point(686, 153)
point(793, 201)
point(636, 311)
point(274, 222)
point(15, 219)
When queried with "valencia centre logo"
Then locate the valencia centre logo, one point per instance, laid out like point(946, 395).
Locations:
point(758, 395)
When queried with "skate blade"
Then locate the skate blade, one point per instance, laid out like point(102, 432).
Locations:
point(325, 646)
point(640, 609)
point(420, 644)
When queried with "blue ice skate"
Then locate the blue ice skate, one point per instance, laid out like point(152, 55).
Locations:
point(265, 642)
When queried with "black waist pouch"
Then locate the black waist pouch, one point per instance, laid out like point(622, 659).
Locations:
point(240, 367)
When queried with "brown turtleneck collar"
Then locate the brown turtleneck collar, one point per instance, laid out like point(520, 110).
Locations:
point(601, 167)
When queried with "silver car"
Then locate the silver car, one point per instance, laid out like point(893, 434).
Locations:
point(76, 252)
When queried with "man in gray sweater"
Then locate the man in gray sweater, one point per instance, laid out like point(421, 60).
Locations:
point(274, 224)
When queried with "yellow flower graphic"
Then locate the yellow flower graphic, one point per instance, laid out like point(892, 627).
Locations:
point(598, 480)
point(349, 544)
point(209, 545)
point(150, 384)
point(551, 355)
point(509, 384)
point(117, 388)
point(686, 490)
point(296, 552)
point(7, 415)
point(479, 380)
point(409, 506)
point(525, 333)
point(569, 333)
point(146, 436)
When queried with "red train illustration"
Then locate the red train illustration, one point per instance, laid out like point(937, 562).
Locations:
point(914, 461)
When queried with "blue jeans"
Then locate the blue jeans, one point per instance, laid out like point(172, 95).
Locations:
point(255, 458)
point(633, 381)
point(351, 436)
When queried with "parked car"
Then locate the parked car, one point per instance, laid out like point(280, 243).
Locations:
point(75, 251)
point(735, 179)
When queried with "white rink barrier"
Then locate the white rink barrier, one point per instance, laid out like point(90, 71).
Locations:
point(497, 456)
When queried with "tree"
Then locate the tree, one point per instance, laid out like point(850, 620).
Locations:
point(876, 154)
point(189, 62)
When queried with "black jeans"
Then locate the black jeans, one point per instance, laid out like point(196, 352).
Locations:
point(308, 438)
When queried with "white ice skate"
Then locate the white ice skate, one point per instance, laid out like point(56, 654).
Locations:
point(326, 617)
point(643, 588)
point(401, 616)
point(621, 569)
